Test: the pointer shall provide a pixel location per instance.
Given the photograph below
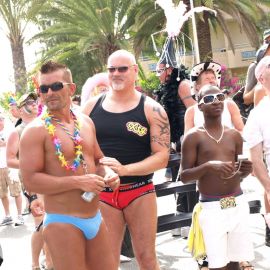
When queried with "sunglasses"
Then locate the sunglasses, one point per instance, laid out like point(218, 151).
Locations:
point(161, 70)
point(209, 99)
point(54, 87)
point(121, 69)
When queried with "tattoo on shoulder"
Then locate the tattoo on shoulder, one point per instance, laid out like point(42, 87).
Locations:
point(163, 136)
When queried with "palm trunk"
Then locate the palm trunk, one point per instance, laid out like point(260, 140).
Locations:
point(204, 38)
point(20, 75)
point(203, 35)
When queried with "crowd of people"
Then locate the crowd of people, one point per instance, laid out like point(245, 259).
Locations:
point(89, 173)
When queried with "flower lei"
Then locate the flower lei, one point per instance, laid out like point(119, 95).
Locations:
point(57, 143)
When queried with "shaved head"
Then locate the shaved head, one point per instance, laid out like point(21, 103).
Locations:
point(123, 54)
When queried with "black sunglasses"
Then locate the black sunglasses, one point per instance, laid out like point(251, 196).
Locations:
point(209, 99)
point(121, 69)
point(54, 87)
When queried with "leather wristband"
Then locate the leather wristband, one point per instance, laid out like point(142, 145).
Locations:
point(32, 198)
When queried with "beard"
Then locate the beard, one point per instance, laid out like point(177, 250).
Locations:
point(118, 86)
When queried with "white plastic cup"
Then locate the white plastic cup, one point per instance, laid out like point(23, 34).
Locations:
point(88, 196)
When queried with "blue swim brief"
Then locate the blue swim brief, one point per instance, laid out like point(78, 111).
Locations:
point(89, 226)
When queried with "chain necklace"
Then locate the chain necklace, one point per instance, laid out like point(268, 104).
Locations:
point(210, 136)
point(57, 143)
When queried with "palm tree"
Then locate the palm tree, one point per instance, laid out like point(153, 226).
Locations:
point(16, 14)
point(247, 13)
point(92, 28)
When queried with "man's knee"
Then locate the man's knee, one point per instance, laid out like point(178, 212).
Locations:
point(3, 196)
point(147, 260)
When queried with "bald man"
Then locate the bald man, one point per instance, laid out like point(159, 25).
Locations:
point(133, 133)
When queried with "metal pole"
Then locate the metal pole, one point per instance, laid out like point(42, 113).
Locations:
point(195, 38)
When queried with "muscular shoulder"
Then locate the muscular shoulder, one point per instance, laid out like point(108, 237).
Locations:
point(86, 121)
point(184, 90)
point(234, 134)
point(34, 129)
point(193, 135)
point(153, 108)
point(185, 85)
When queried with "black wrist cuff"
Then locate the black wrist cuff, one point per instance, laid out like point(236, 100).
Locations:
point(32, 198)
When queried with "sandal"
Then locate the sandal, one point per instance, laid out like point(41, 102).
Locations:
point(203, 263)
point(246, 266)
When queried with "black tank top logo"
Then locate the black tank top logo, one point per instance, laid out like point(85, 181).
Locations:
point(136, 128)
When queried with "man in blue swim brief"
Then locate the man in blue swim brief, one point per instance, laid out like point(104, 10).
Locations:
point(63, 165)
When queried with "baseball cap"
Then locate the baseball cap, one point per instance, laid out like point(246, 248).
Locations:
point(266, 34)
point(22, 100)
point(261, 52)
point(262, 66)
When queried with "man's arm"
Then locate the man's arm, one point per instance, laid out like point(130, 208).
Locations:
point(235, 115)
point(12, 150)
point(248, 97)
point(32, 164)
point(260, 170)
point(188, 170)
point(189, 119)
point(251, 81)
point(185, 95)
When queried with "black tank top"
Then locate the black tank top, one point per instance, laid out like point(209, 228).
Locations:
point(124, 136)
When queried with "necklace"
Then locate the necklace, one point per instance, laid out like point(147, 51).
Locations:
point(57, 143)
point(210, 136)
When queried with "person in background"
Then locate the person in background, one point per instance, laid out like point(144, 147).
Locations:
point(210, 73)
point(251, 86)
point(6, 183)
point(266, 36)
point(257, 136)
point(174, 94)
point(93, 86)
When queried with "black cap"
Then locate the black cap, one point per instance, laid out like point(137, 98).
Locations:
point(261, 52)
point(22, 100)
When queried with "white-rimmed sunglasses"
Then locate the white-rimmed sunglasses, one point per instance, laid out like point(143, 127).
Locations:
point(209, 99)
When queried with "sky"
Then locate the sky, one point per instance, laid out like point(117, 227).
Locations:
point(6, 65)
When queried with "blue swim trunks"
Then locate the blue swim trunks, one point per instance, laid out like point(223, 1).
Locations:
point(89, 226)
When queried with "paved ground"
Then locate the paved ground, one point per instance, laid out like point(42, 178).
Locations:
point(172, 252)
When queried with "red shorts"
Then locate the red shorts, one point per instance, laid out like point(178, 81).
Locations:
point(124, 195)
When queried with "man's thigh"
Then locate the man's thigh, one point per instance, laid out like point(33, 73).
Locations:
point(141, 218)
point(99, 254)
point(115, 223)
point(67, 246)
